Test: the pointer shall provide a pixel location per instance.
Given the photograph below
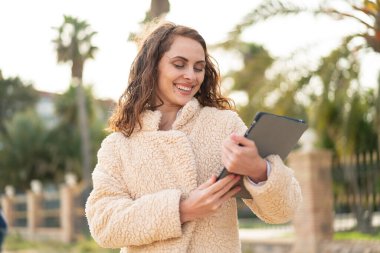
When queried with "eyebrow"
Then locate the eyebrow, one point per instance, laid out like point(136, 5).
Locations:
point(185, 59)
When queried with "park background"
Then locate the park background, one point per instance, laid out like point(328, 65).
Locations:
point(317, 60)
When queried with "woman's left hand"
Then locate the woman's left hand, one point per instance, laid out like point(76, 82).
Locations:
point(243, 159)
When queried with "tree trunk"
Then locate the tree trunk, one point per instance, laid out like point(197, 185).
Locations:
point(77, 70)
point(378, 113)
point(85, 134)
point(158, 7)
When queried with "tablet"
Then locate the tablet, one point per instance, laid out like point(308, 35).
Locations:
point(272, 134)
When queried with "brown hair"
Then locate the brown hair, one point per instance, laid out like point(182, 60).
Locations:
point(141, 92)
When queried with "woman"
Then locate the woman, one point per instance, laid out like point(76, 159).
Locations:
point(155, 187)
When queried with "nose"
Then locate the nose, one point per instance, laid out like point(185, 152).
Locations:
point(189, 74)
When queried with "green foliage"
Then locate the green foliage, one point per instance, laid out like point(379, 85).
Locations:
point(342, 110)
point(267, 9)
point(14, 96)
point(66, 107)
point(25, 152)
point(251, 78)
point(31, 150)
point(277, 95)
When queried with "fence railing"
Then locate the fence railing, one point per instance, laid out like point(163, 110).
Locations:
point(356, 190)
point(42, 214)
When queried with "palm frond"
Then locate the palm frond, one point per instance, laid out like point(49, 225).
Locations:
point(266, 10)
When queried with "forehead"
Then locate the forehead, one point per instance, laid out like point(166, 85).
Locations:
point(186, 47)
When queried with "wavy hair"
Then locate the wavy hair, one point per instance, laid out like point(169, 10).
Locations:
point(141, 93)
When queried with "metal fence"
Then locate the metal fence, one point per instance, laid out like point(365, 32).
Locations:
point(356, 189)
point(356, 195)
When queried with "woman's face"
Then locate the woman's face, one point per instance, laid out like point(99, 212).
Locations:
point(181, 71)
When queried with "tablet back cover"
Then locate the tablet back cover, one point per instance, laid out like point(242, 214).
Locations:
point(275, 134)
point(272, 134)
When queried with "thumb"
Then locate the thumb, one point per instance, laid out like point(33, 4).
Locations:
point(208, 183)
point(242, 140)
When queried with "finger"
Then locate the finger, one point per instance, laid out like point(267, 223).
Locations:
point(228, 144)
point(208, 183)
point(228, 187)
point(242, 140)
point(231, 157)
point(230, 194)
point(221, 184)
point(227, 160)
point(233, 148)
point(236, 151)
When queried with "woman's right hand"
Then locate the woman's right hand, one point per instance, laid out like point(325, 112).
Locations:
point(208, 197)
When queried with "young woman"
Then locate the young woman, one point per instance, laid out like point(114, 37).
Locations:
point(155, 187)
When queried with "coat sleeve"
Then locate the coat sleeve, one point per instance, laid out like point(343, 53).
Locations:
point(279, 198)
point(115, 219)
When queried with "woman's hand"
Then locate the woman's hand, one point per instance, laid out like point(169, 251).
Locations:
point(243, 159)
point(208, 197)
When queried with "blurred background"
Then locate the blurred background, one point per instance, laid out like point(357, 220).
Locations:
point(64, 64)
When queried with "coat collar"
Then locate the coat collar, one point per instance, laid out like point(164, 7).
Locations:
point(151, 119)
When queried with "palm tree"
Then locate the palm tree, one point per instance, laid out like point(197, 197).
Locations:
point(74, 45)
point(158, 8)
point(342, 104)
point(365, 12)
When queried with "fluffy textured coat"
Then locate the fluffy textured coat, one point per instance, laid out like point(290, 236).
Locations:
point(139, 181)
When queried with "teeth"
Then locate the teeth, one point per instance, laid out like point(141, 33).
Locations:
point(184, 88)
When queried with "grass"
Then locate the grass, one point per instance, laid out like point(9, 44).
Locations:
point(354, 235)
point(83, 245)
point(87, 244)
point(256, 223)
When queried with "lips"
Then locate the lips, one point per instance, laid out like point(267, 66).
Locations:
point(184, 88)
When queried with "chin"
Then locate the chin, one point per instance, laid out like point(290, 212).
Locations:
point(184, 101)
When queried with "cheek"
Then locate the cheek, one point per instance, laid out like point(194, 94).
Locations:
point(200, 78)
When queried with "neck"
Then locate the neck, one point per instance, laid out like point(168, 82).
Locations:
point(168, 116)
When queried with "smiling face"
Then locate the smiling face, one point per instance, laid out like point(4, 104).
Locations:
point(181, 71)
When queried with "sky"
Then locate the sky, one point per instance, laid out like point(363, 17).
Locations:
point(27, 51)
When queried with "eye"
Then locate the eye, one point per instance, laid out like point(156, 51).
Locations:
point(178, 66)
point(199, 68)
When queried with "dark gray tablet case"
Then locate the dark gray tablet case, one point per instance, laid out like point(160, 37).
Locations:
point(272, 134)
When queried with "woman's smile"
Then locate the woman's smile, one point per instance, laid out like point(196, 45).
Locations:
point(184, 89)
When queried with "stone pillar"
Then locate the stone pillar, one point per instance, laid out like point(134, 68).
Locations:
point(34, 208)
point(7, 203)
point(313, 223)
point(67, 213)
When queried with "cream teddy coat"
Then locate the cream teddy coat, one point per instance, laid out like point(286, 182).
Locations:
point(139, 180)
